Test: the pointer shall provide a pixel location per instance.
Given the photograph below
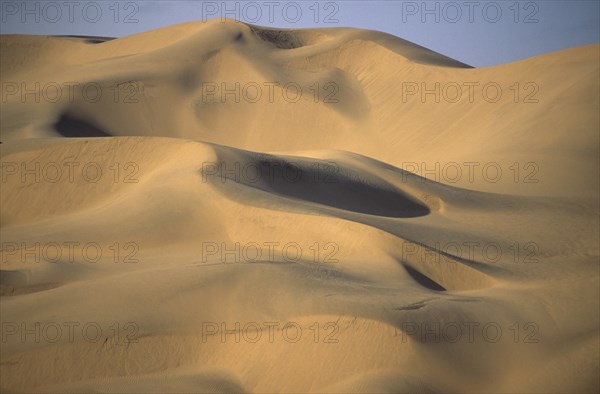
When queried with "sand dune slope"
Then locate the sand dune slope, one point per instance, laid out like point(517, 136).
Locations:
point(167, 238)
point(236, 85)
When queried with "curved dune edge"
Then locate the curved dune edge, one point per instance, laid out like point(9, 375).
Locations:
point(396, 260)
point(344, 100)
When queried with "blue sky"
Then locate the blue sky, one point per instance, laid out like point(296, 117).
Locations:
point(480, 33)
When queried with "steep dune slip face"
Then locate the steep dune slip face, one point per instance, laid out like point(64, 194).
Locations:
point(321, 182)
point(217, 207)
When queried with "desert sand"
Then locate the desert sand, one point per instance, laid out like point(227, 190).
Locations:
point(358, 214)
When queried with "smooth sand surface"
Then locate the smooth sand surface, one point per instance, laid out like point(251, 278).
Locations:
point(336, 224)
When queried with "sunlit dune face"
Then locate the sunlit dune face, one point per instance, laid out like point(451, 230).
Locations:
point(223, 207)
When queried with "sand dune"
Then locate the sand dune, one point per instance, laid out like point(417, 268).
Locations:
point(323, 226)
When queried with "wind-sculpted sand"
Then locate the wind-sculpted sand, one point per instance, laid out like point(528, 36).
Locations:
point(358, 214)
